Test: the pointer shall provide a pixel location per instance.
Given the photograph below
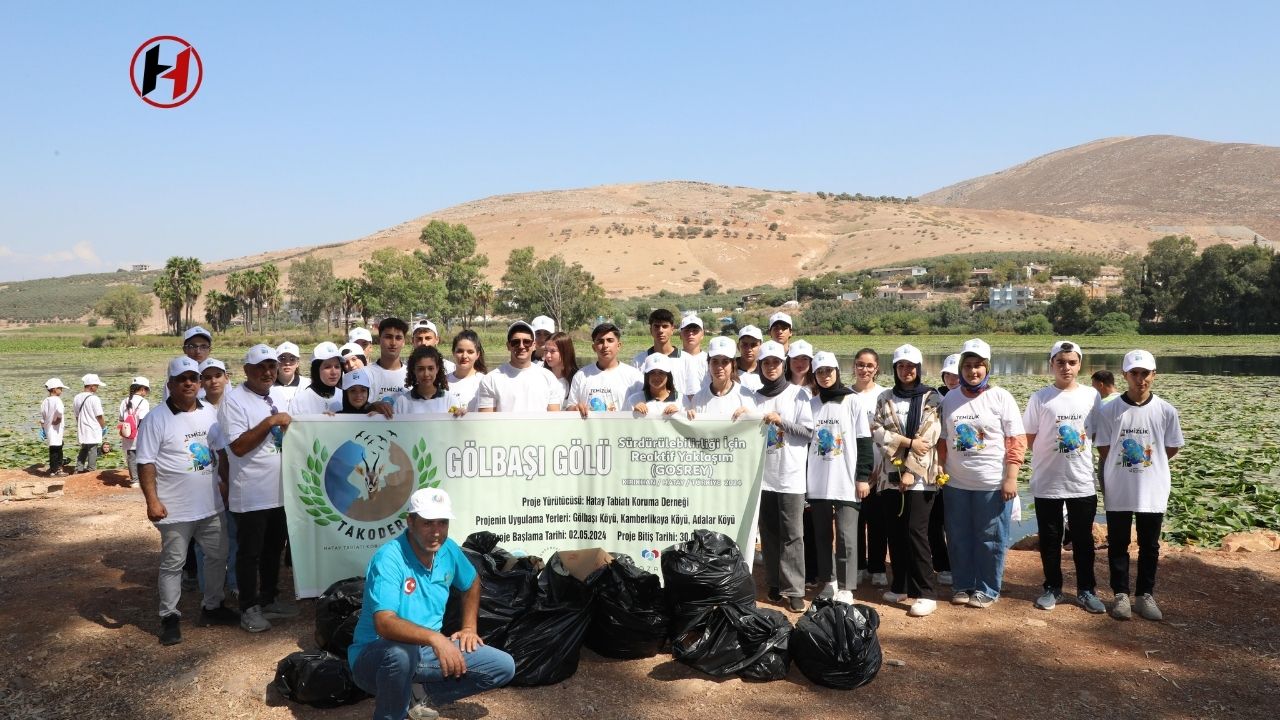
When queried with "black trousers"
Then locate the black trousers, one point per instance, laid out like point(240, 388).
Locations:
point(906, 518)
point(55, 458)
point(1080, 512)
point(938, 536)
point(260, 535)
point(1118, 524)
point(872, 538)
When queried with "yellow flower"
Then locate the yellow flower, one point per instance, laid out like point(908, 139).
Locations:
point(943, 478)
point(897, 462)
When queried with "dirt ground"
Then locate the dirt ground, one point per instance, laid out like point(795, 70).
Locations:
point(78, 622)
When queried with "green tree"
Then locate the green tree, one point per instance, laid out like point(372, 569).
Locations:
point(1069, 311)
point(1034, 325)
point(1006, 271)
point(178, 289)
point(399, 283)
point(710, 286)
point(240, 287)
point(950, 315)
point(1085, 267)
point(1155, 282)
point(1113, 323)
point(453, 261)
point(219, 309)
point(349, 293)
point(952, 273)
point(566, 292)
point(313, 289)
point(125, 307)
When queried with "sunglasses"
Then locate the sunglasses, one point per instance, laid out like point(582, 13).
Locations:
point(203, 347)
point(520, 343)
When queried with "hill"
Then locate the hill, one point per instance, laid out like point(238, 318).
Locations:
point(1174, 184)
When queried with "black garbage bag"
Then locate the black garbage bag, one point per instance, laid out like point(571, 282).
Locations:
point(317, 678)
point(508, 588)
point(727, 640)
point(629, 620)
point(337, 612)
point(707, 569)
point(836, 645)
point(546, 641)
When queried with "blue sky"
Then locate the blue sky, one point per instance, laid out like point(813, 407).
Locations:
point(319, 122)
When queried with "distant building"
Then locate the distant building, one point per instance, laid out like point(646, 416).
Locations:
point(889, 272)
point(1010, 297)
point(904, 294)
point(750, 298)
point(888, 292)
point(851, 296)
point(140, 267)
point(1033, 269)
point(1064, 281)
point(980, 276)
point(1110, 275)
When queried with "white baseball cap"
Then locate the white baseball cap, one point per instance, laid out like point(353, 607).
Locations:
point(139, 380)
point(425, 325)
point(910, 353)
point(1138, 359)
point(194, 331)
point(780, 317)
point(1065, 346)
point(750, 331)
point(800, 348)
point(976, 346)
point(350, 348)
point(181, 365)
point(212, 363)
point(356, 378)
point(952, 364)
point(542, 322)
point(825, 359)
point(431, 504)
point(771, 349)
point(688, 320)
point(721, 346)
point(91, 379)
point(520, 324)
point(260, 353)
point(52, 383)
point(288, 348)
point(326, 350)
point(358, 334)
point(657, 361)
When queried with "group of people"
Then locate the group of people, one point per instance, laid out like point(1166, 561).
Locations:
point(850, 471)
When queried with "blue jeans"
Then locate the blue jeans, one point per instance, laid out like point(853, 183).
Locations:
point(387, 670)
point(977, 524)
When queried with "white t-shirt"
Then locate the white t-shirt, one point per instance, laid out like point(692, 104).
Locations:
point(464, 389)
point(407, 404)
point(1062, 456)
point(866, 401)
point(143, 407)
point(605, 390)
point(707, 405)
point(786, 453)
point(388, 383)
point(448, 365)
point(655, 408)
point(750, 380)
point(52, 410)
point(975, 430)
point(833, 449)
point(178, 446)
point(307, 402)
point(509, 389)
point(288, 391)
point(1136, 474)
point(695, 371)
point(679, 369)
point(87, 407)
point(255, 482)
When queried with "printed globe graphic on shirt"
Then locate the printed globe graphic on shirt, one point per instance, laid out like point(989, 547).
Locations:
point(1134, 454)
point(201, 458)
point(365, 479)
point(969, 437)
point(829, 444)
point(1069, 439)
point(775, 439)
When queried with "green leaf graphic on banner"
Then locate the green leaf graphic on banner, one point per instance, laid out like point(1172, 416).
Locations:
point(312, 490)
point(424, 466)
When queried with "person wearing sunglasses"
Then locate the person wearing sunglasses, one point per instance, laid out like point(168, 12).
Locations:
point(254, 428)
point(519, 385)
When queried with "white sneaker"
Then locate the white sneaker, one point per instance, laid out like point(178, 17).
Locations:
point(893, 597)
point(922, 607)
point(828, 591)
point(944, 577)
point(864, 577)
point(844, 596)
point(421, 709)
point(252, 620)
point(880, 579)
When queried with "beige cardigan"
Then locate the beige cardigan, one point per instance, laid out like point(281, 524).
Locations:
point(886, 432)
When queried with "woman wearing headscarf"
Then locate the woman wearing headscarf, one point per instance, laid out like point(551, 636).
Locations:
point(906, 429)
point(321, 393)
point(981, 447)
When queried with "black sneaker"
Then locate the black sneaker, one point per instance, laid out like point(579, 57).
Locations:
point(221, 615)
point(796, 604)
point(170, 633)
point(775, 595)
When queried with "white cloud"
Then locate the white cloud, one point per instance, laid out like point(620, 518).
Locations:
point(82, 252)
point(79, 258)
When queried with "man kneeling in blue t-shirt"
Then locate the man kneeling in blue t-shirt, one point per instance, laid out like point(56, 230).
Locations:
point(398, 643)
